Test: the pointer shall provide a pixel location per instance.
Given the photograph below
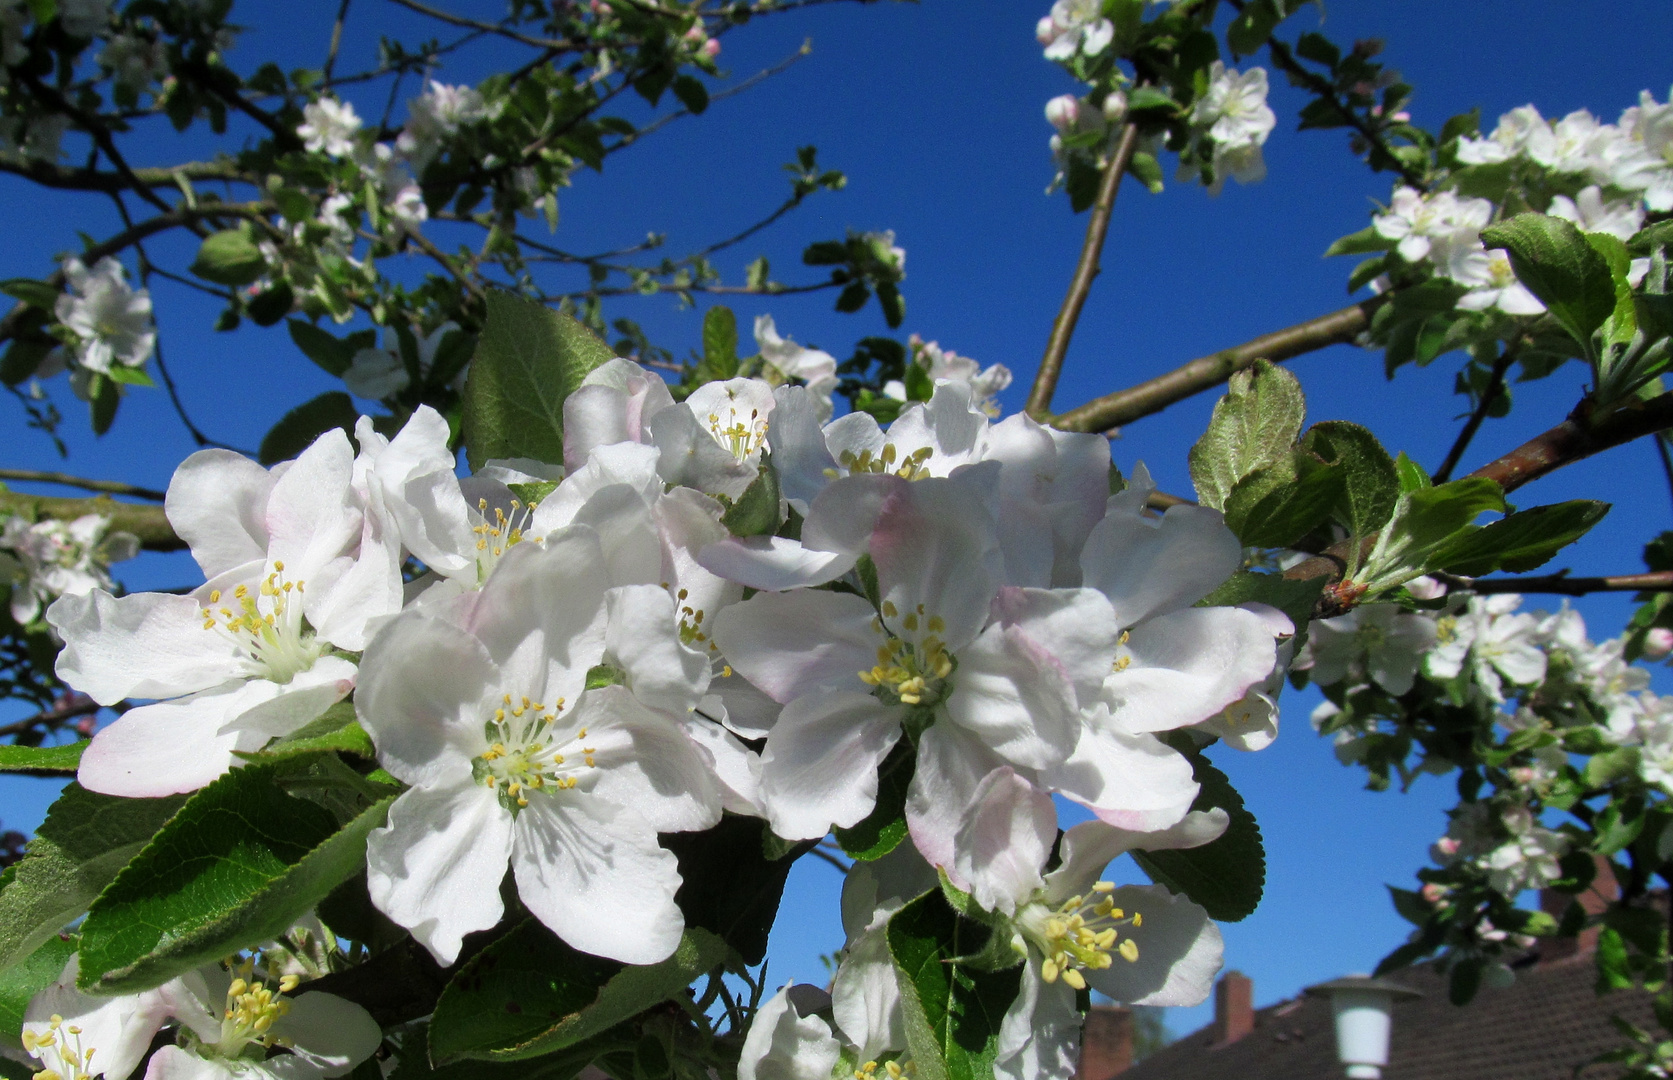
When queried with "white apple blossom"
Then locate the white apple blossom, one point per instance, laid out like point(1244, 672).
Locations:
point(1529, 859)
point(329, 126)
point(944, 364)
point(135, 61)
point(1235, 118)
point(111, 319)
point(713, 440)
point(1490, 640)
point(380, 372)
point(1374, 642)
point(1575, 144)
point(1491, 281)
point(1515, 130)
point(60, 558)
point(1590, 213)
point(792, 361)
point(789, 1040)
point(435, 115)
point(1418, 221)
point(296, 570)
point(484, 708)
point(1075, 26)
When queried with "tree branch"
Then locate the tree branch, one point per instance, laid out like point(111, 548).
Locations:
point(111, 487)
point(1154, 395)
point(336, 40)
point(82, 706)
point(720, 95)
point(1319, 86)
point(146, 522)
point(1495, 386)
point(100, 135)
point(1578, 437)
point(1086, 271)
point(68, 179)
point(486, 27)
point(1562, 584)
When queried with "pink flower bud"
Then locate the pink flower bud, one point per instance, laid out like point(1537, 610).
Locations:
point(696, 35)
point(600, 8)
point(1045, 31)
point(1063, 112)
point(711, 48)
point(1115, 106)
point(1522, 775)
point(1447, 845)
point(1433, 893)
point(1658, 643)
point(1426, 588)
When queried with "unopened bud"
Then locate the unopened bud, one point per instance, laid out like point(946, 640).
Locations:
point(696, 35)
point(1063, 112)
point(1433, 893)
point(1045, 31)
point(1425, 588)
point(1658, 643)
point(1115, 106)
point(711, 48)
point(1447, 845)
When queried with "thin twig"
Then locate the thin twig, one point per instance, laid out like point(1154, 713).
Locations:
point(180, 407)
point(820, 852)
point(1086, 271)
point(721, 95)
point(1495, 386)
point(486, 27)
point(1666, 460)
point(49, 717)
point(1285, 62)
point(336, 40)
point(1154, 395)
point(111, 487)
point(1562, 584)
point(100, 136)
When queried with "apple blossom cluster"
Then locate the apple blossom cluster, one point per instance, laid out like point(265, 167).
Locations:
point(984, 384)
point(580, 657)
point(43, 560)
point(106, 324)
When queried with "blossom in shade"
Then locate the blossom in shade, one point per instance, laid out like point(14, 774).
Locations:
point(111, 319)
point(329, 126)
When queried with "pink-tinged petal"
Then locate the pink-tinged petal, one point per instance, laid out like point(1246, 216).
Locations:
point(935, 546)
point(436, 867)
point(773, 563)
point(627, 534)
point(844, 514)
point(952, 763)
point(1076, 626)
point(1016, 698)
point(423, 697)
point(595, 875)
point(1150, 566)
point(174, 1063)
point(613, 405)
point(798, 445)
point(148, 645)
point(1040, 1035)
point(330, 1033)
point(819, 767)
point(413, 481)
point(547, 603)
point(1004, 841)
point(736, 766)
point(1180, 951)
point(299, 701)
point(1187, 666)
point(216, 503)
point(643, 639)
point(645, 761)
point(1060, 477)
point(865, 996)
point(1135, 781)
point(790, 644)
point(117, 1029)
point(1091, 846)
point(173, 746)
point(689, 456)
point(312, 515)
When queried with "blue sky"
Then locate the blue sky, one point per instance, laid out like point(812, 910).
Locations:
point(934, 110)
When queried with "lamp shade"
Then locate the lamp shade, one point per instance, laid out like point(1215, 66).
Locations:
point(1364, 1009)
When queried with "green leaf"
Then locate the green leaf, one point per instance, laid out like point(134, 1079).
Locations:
point(1614, 966)
point(297, 429)
point(23, 358)
point(335, 730)
point(1293, 598)
point(1623, 320)
point(295, 205)
point(24, 980)
point(229, 257)
point(327, 350)
point(34, 293)
point(1465, 981)
point(64, 759)
point(1424, 521)
point(1226, 876)
point(529, 994)
point(1248, 32)
point(1255, 424)
point(1150, 97)
point(882, 830)
point(1276, 505)
point(271, 304)
point(527, 363)
point(1412, 475)
point(1604, 769)
point(756, 511)
point(129, 376)
point(103, 401)
point(952, 1011)
point(692, 93)
point(237, 866)
point(729, 884)
point(1319, 49)
point(720, 345)
point(1521, 542)
point(1368, 473)
point(1362, 242)
point(1552, 258)
point(84, 841)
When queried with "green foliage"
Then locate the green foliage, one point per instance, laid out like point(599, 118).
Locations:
point(51, 759)
point(1520, 542)
point(730, 884)
point(229, 257)
point(330, 352)
point(86, 839)
point(237, 866)
point(756, 512)
point(1293, 598)
point(1552, 258)
point(1278, 504)
point(952, 1011)
point(528, 361)
point(297, 429)
point(529, 994)
point(1370, 484)
point(720, 345)
point(882, 830)
point(1255, 425)
point(1226, 876)
point(1424, 522)
point(34, 973)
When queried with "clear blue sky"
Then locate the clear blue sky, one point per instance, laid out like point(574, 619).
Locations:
point(934, 111)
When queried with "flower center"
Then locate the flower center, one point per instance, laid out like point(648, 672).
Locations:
point(526, 754)
point(60, 1050)
point(498, 534)
point(1080, 935)
point(901, 1069)
point(1446, 629)
point(252, 1008)
point(740, 434)
point(911, 669)
point(911, 467)
point(267, 626)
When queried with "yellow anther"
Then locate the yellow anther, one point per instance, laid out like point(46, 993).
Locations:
point(889, 609)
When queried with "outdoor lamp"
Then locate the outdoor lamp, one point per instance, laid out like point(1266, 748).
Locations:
point(1363, 1008)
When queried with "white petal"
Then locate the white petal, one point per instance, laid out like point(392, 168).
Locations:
point(1180, 951)
point(643, 638)
point(784, 1046)
point(819, 767)
point(436, 867)
point(216, 503)
point(148, 645)
point(647, 762)
point(174, 1063)
point(627, 533)
point(172, 746)
point(1075, 626)
point(595, 875)
point(1135, 781)
point(952, 763)
point(422, 695)
point(1150, 567)
point(736, 766)
point(312, 514)
point(789, 644)
point(773, 563)
point(883, 886)
point(1040, 1035)
point(1089, 847)
point(329, 1032)
point(117, 1029)
point(865, 999)
point(1187, 666)
point(745, 710)
point(626, 464)
point(1004, 841)
point(1016, 698)
point(935, 546)
point(296, 703)
point(798, 445)
point(691, 457)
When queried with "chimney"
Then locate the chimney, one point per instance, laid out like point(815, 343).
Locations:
point(1106, 1046)
point(1234, 1008)
point(1603, 890)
